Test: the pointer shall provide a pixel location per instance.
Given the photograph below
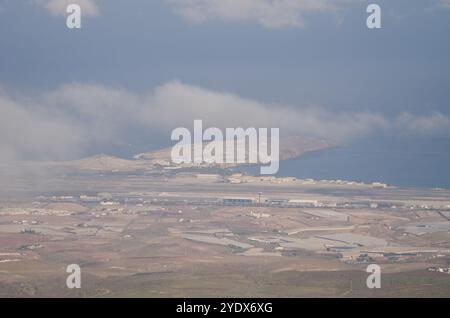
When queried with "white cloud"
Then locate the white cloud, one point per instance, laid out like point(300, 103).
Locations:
point(268, 13)
point(428, 125)
point(73, 118)
point(227, 110)
point(59, 7)
point(24, 132)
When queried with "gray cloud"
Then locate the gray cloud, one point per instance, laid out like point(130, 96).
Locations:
point(445, 4)
point(36, 131)
point(69, 120)
point(434, 124)
point(268, 13)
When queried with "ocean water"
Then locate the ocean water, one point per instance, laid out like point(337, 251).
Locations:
point(402, 162)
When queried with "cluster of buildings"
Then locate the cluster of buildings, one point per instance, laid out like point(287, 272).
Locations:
point(107, 200)
point(301, 203)
point(445, 270)
point(242, 178)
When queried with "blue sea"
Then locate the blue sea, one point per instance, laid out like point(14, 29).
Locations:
point(402, 162)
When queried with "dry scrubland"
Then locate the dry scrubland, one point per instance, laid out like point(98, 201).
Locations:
point(164, 233)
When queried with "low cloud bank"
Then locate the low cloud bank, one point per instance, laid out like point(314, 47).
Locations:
point(66, 122)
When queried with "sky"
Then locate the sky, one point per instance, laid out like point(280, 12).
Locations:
point(138, 69)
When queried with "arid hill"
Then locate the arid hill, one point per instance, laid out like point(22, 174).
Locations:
point(290, 148)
